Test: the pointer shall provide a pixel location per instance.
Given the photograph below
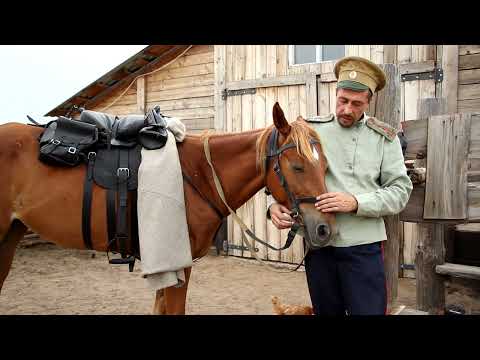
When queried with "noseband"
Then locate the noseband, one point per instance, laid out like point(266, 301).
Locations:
point(275, 152)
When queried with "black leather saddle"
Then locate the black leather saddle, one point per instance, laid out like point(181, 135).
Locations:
point(111, 146)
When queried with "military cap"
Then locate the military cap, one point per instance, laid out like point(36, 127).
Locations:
point(357, 73)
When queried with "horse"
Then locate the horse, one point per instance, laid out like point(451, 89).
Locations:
point(48, 200)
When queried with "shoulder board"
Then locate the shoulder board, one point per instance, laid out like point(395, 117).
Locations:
point(321, 118)
point(382, 128)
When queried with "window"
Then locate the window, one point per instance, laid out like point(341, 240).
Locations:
point(306, 54)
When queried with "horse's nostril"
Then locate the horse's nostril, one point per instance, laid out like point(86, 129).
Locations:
point(323, 231)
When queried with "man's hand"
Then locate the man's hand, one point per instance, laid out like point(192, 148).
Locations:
point(336, 202)
point(281, 216)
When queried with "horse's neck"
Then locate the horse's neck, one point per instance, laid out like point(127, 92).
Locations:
point(234, 159)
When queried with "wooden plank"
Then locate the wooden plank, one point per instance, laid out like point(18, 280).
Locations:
point(199, 124)
point(177, 73)
point(188, 60)
point(260, 199)
point(459, 271)
point(183, 82)
point(450, 64)
point(376, 54)
point(273, 234)
point(220, 53)
point(180, 104)
point(250, 62)
point(411, 97)
point(474, 141)
point(198, 91)
point(236, 127)
point(141, 99)
point(260, 61)
point(323, 98)
point(311, 95)
point(200, 49)
point(469, 91)
point(409, 248)
point(446, 184)
point(389, 54)
point(388, 109)
point(469, 61)
point(468, 49)
point(413, 212)
point(471, 105)
point(332, 89)
point(470, 76)
point(282, 60)
point(239, 63)
point(364, 51)
point(267, 82)
point(404, 54)
point(271, 60)
point(328, 77)
point(197, 113)
point(473, 196)
point(417, 67)
point(247, 213)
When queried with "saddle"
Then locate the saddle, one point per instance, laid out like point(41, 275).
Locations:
point(111, 148)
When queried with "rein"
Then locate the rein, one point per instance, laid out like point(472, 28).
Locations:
point(273, 152)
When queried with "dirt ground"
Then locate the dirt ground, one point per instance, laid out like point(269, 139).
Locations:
point(46, 279)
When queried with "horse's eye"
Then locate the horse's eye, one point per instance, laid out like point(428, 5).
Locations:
point(297, 168)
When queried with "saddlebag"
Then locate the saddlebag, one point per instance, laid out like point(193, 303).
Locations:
point(66, 142)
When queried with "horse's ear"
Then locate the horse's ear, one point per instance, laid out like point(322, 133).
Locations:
point(279, 120)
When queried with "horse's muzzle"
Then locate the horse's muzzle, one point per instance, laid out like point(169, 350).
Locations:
point(319, 231)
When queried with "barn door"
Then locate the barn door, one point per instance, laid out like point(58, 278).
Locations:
point(248, 105)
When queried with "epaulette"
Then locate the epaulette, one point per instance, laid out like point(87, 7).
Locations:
point(321, 118)
point(382, 128)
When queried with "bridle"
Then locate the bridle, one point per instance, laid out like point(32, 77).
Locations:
point(275, 152)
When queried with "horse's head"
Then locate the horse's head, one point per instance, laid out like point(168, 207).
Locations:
point(291, 157)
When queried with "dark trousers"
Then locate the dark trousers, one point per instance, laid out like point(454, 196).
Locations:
point(347, 280)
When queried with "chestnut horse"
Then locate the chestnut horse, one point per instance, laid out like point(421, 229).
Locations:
point(48, 200)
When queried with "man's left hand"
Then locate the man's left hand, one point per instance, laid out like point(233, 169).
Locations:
point(336, 202)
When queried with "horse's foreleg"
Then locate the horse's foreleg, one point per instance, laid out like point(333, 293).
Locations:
point(174, 299)
point(8, 244)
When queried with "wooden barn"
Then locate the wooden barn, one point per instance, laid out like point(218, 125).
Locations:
point(233, 88)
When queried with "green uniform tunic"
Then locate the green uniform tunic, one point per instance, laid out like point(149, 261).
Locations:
point(366, 161)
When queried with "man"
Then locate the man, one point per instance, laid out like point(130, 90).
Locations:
point(366, 180)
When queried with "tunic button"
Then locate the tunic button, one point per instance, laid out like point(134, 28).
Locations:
point(353, 139)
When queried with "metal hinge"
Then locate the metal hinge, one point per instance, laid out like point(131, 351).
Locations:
point(226, 92)
point(436, 75)
point(227, 246)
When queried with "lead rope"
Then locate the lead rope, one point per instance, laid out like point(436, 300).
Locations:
point(239, 221)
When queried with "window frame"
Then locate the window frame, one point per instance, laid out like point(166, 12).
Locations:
point(318, 55)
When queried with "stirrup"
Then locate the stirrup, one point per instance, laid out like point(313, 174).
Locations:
point(130, 260)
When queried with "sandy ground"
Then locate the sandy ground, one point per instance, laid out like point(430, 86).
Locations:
point(46, 279)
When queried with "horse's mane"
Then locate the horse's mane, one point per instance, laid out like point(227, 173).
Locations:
point(300, 135)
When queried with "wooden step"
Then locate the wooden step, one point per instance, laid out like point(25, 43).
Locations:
point(458, 270)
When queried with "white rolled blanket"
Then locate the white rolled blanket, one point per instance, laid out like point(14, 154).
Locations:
point(162, 223)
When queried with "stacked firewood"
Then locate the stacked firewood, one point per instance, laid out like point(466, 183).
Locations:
point(418, 175)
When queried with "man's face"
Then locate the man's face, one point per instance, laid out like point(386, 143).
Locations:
point(350, 106)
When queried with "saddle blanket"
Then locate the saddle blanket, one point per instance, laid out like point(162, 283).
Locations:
point(162, 222)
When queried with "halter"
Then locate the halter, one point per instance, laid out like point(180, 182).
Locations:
point(275, 152)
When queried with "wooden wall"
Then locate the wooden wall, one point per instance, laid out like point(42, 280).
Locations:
point(468, 78)
point(183, 89)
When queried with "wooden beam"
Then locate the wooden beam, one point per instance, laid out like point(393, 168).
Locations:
point(388, 109)
point(141, 95)
point(469, 61)
point(450, 76)
point(458, 270)
point(287, 80)
point(162, 59)
point(430, 240)
point(220, 53)
point(389, 54)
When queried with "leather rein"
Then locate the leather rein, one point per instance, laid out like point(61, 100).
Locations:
point(273, 152)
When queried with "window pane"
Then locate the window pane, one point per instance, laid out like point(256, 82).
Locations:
point(333, 52)
point(305, 54)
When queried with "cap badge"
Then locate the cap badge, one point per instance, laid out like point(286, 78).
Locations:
point(352, 75)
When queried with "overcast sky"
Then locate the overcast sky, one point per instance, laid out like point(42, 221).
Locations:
point(34, 79)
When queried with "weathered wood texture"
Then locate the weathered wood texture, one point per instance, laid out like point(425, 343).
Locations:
point(430, 252)
point(468, 78)
point(458, 270)
point(219, 75)
point(388, 109)
point(446, 183)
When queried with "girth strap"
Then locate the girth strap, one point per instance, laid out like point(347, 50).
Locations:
point(123, 173)
point(87, 201)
